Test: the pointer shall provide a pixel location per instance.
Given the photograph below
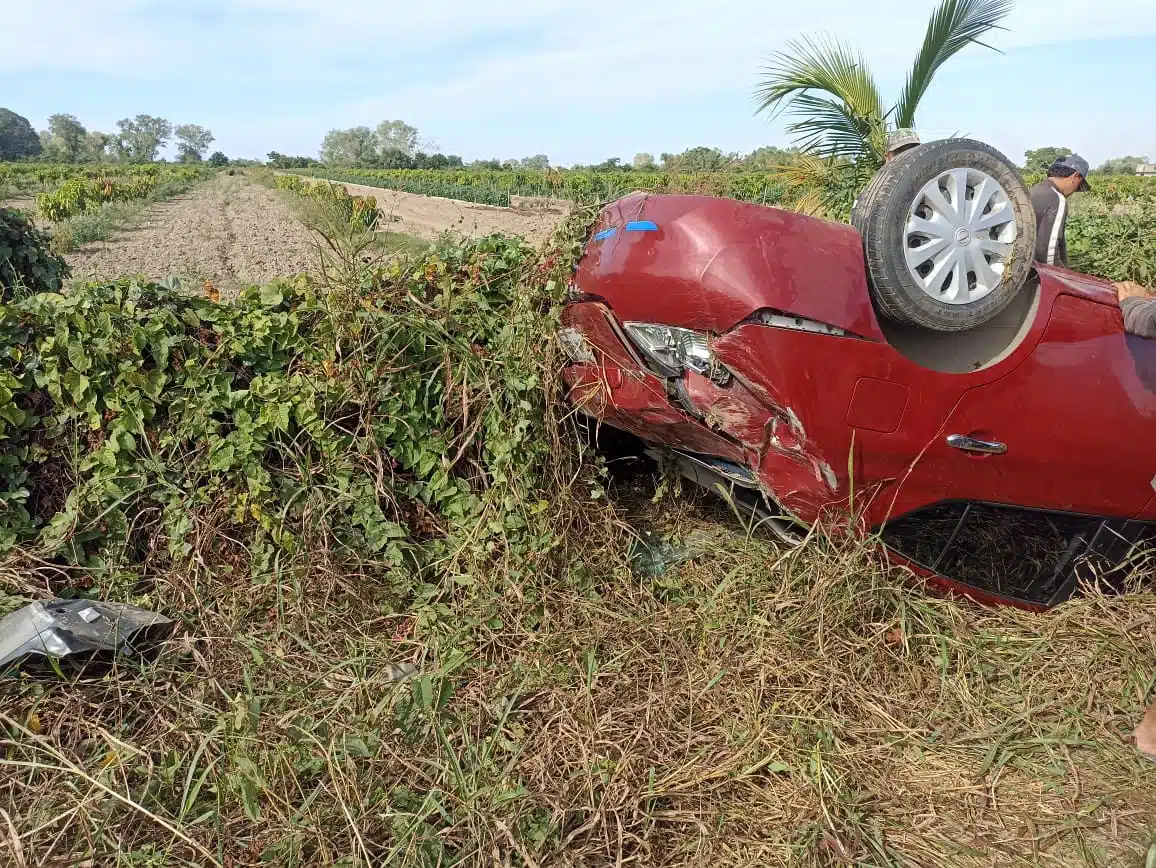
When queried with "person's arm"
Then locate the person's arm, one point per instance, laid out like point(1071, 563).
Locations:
point(1138, 308)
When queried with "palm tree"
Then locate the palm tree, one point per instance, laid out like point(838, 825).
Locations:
point(839, 119)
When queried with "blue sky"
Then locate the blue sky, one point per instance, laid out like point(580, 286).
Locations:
point(576, 80)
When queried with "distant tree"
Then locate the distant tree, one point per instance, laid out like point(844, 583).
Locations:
point(66, 139)
point(453, 161)
point(1122, 165)
point(217, 160)
point(667, 161)
point(141, 138)
point(769, 158)
point(1039, 159)
point(356, 146)
point(394, 158)
point(491, 165)
point(282, 161)
point(422, 160)
point(17, 138)
point(703, 159)
point(98, 147)
point(400, 136)
point(644, 162)
point(192, 142)
point(613, 164)
point(536, 163)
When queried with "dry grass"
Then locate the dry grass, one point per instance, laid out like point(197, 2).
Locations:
point(748, 707)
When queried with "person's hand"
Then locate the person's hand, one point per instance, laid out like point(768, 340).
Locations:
point(1130, 289)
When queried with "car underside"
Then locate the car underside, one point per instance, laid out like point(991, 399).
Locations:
point(746, 344)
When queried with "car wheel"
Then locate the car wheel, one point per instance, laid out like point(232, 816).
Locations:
point(948, 233)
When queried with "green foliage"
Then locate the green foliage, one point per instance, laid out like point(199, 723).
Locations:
point(839, 118)
point(277, 160)
point(496, 187)
point(417, 404)
point(354, 210)
point(192, 142)
point(17, 138)
point(1038, 160)
point(66, 139)
point(1115, 241)
point(217, 160)
point(26, 264)
point(1122, 165)
point(829, 90)
point(82, 193)
point(142, 137)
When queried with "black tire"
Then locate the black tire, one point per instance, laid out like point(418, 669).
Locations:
point(881, 215)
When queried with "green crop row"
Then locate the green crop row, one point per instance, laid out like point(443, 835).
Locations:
point(22, 175)
point(445, 185)
point(496, 188)
point(354, 210)
point(82, 193)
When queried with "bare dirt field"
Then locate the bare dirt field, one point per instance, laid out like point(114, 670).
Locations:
point(428, 217)
point(229, 230)
point(20, 203)
point(232, 232)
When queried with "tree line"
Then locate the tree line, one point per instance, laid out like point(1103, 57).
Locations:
point(393, 144)
point(137, 140)
point(1038, 160)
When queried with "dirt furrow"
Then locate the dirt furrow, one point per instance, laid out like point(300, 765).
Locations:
point(228, 231)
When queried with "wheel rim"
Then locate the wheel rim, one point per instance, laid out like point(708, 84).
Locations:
point(961, 228)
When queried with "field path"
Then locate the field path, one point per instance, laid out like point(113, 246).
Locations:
point(229, 230)
point(428, 217)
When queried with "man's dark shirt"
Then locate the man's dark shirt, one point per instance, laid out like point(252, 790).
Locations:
point(1051, 209)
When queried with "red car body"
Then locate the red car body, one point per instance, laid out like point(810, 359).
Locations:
point(838, 412)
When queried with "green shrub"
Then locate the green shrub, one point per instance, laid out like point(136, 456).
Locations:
point(1117, 242)
point(261, 414)
point(26, 264)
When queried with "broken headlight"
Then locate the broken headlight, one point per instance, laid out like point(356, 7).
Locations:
point(672, 350)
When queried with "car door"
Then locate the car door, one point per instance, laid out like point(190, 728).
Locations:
point(1072, 429)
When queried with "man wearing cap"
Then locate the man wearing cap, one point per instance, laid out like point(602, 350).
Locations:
point(1067, 175)
point(899, 141)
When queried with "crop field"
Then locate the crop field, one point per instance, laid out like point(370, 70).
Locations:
point(420, 621)
point(496, 187)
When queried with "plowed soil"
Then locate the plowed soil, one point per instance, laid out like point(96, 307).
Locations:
point(232, 231)
point(229, 231)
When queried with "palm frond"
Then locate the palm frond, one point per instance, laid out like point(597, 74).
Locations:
point(828, 129)
point(954, 25)
point(847, 123)
point(819, 187)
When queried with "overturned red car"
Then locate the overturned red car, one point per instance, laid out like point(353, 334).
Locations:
point(914, 373)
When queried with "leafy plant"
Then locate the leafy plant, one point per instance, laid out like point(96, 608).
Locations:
point(87, 191)
point(839, 114)
point(1114, 241)
point(27, 266)
point(187, 407)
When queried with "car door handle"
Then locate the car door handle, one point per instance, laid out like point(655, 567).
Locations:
point(971, 444)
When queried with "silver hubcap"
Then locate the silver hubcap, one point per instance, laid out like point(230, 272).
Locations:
point(960, 230)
